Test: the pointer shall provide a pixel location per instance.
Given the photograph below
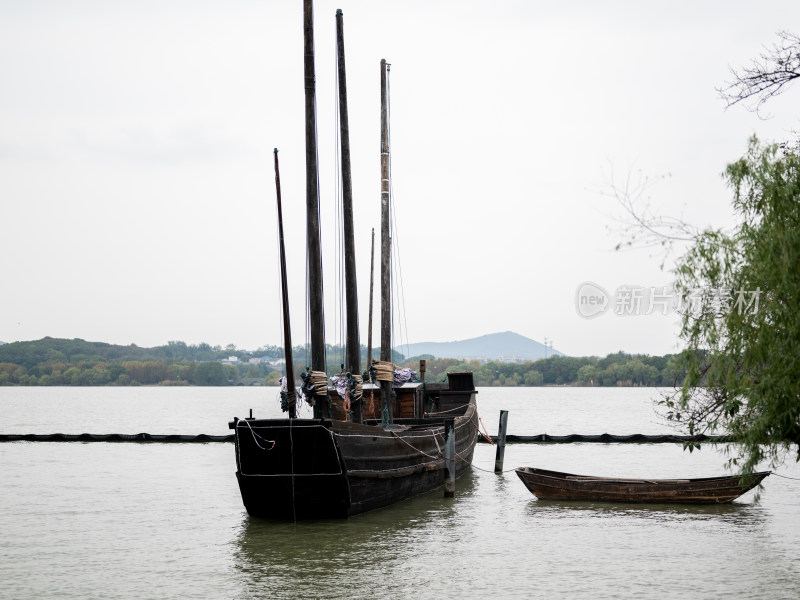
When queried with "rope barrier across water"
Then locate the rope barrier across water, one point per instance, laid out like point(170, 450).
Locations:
point(114, 437)
point(544, 438)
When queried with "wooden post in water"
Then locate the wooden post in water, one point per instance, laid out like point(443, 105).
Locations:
point(287, 330)
point(386, 245)
point(449, 458)
point(501, 442)
point(315, 307)
point(353, 343)
point(422, 367)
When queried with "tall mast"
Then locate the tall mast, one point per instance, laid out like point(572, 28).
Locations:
point(386, 324)
point(353, 343)
point(371, 287)
point(287, 331)
point(316, 316)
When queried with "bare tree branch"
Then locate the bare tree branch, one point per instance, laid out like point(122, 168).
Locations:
point(767, 76)
point(641, 227)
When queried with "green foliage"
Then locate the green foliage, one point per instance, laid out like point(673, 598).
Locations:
point(743, 331)
point(614, 370)
point(48, 350)
point(52, 361)
point(75, 362)
point(272, 378)
point(210, 373)
point(231, 374)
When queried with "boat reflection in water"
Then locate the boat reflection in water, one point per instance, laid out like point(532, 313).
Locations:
point(333, 558)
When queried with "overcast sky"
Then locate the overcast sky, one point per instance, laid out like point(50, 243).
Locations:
point(137, 187)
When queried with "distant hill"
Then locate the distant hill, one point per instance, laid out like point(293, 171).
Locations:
point(507, 347)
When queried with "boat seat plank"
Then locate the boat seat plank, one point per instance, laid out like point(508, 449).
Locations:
point(616, 480)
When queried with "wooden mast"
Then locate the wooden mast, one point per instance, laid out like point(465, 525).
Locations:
point(353, 343)
point(287, 330)
point(386, 323)
point(315, 308)
point(371, 287)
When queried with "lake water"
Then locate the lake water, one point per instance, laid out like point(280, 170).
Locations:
point(125, 520)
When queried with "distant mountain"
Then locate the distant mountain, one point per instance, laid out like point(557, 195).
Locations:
point(505, 347)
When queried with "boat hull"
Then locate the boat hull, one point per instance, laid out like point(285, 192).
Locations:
point(553, 485)
point(322, 468)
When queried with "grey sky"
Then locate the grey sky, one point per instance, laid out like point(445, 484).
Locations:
point(136, 159)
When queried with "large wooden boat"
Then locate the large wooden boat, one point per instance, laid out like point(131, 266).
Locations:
point(374, 443)
point(553, 485)
point(329, 468)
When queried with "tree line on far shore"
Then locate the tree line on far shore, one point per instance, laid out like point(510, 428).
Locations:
point(619, 369)
point(52, 361)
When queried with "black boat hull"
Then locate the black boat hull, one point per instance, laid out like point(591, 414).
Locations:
point(312, 468)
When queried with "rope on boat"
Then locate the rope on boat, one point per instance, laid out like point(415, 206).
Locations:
point(438, 448)
point(449, 410)
point(488, 471)
point(417, 449)
point(349, 388)
point(357, 388)
point(384, 370)
point(485, 434)
point(479, 468)
point(319, 381)
point(257, 437)
point(435, 458)
point(422, 434)
point(394, 469)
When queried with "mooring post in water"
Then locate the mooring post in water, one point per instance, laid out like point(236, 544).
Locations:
point(422, 367)
point(449, 458)
point(501, 442)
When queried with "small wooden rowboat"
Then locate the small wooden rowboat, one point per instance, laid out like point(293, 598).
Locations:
point(552, 485)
